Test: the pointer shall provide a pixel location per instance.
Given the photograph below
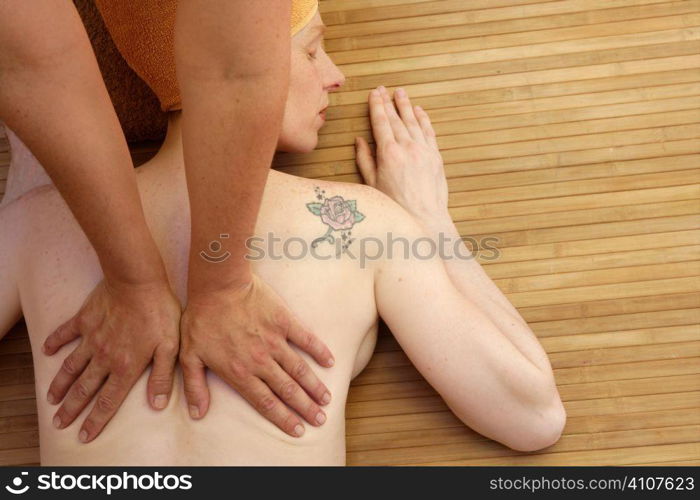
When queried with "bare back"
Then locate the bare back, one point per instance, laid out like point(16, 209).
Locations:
point(333, 297)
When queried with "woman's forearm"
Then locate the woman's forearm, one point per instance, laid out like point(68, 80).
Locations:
point(472, 281)
point(52, 95)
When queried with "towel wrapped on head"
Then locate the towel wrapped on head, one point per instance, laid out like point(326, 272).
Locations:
point(144, 31)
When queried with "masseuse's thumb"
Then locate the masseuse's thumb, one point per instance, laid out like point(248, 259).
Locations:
point(196, 389)
point(365, 161)
point(160, 383)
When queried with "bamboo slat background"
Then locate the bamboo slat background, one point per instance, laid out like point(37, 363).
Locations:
point(569, 130)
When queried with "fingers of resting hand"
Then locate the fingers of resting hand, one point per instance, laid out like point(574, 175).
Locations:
point(80, 393)
point(261, 397)
point(195, 385)
point(108, 401)
point(309, 343)
point(160, 382)
point(73, 365)
point(426, 126)
point(65, 333)
point(289, 391)
point(365, 161)
point(407, 115)
point(395, 121)
point(299, 369)
point(381, 128)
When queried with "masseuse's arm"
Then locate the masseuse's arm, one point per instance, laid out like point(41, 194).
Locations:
point(233, 62)
point(52, 95)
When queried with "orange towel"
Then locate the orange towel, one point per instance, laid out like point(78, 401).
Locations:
point(144, 31)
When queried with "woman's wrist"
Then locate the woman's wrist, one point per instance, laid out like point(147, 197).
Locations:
point(437, 222)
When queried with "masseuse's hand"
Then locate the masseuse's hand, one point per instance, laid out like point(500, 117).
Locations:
point(123, 327)
point(243, 335)
point(408, 166)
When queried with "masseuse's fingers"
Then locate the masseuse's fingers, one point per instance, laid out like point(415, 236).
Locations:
point(81, 392)
point(365, 161)
point(395, 121)
point(293, 395)
point(195, 383)
point(302, 373)
point(109, 399)
point(309, 342)
point(65, 333)
point(72, 367)
point(407, 115)
point(160, 382)
point(258, 394)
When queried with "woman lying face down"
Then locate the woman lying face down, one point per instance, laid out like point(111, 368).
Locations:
point(323, 247)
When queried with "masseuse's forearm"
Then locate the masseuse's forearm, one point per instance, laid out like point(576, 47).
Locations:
point(472, 281)
point(52, 95)
point(233, 69)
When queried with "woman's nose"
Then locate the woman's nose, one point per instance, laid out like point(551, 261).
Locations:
point(338, 79)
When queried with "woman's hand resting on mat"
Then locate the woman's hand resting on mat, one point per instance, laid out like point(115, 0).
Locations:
point(243, 335)
point(408, 166)
point(123, 327)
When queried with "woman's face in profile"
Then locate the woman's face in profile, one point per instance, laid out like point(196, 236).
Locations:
point(312, 76)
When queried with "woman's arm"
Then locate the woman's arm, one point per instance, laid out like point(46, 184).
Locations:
point(456, 311)
point(457, 346)
point(473, 283)
point(10, 231)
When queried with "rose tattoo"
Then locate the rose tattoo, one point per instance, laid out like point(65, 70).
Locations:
point(338, 214)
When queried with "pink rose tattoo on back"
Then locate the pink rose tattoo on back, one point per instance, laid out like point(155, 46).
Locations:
point(338, 214)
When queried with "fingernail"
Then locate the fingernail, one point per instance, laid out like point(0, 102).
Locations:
point(50, 398)
point(331, 361)
point(320, 418)
point(374, 93)
point(419, 108)
point(326, 398)
point(57, 422)
point(382, 88)
point(194, 411)
point(400, 92)
point(299, 430)
point(160, 401)
point(83, 436)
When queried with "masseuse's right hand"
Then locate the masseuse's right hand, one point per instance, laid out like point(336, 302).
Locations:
point(123, 327)
point(242, 333)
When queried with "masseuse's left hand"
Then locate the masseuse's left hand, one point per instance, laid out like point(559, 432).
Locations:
point(243, 335)
point(123, 327)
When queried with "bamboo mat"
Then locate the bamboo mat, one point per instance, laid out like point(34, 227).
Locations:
point(569, 130)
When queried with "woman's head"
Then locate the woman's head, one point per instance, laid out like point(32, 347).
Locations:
point(312, 76)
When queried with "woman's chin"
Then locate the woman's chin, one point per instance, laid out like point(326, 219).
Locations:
point(300, 145)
